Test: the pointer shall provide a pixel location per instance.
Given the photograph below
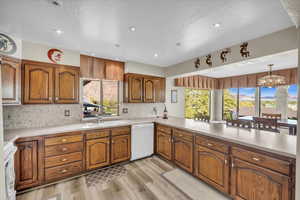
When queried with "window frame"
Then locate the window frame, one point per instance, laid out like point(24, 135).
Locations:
point(101, 113)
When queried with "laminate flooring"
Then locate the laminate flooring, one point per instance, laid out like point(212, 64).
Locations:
point(139, 180)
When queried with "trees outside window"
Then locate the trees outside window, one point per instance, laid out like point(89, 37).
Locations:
point(292, 101)
point(230, 102)
point(247, 101)
point(196, 102)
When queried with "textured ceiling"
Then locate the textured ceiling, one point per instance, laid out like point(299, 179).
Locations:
point(293, 9)
point(98, 25)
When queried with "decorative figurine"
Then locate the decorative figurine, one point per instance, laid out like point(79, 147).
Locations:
point(208, 60)
point(244, 50)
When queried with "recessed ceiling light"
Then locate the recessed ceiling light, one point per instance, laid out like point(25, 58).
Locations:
point(217, 25)
point(56, 2)
point(178, 44)
point(58, 31)
point(132, 28)
point(155, 55)
point(117, 45)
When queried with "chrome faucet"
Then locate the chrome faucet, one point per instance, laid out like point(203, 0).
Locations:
point(155, 111)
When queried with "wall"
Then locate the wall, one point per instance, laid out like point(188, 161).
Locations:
point(277, 42)
point(38, 52)
point(140, 68)
point(174, 109)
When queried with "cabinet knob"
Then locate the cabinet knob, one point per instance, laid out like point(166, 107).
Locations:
point(64, 149)
point(209, 144)
point(256, 159)
point(50, 98)
point(64, 140)
point(225, 161)
point(56, 98)
point(64, 160)
point(232, 164)
point(64, 171)
point(180, 135)
point(112, 142)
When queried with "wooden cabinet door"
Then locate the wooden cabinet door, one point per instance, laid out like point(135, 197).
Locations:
point(11, 81)
point(212, 167)
point(164, 145)
point(26, 164)
point(135, 89)
point(250, 182)
point(66, 85)
point(97, 153)
point(114, 70)
point(120, 148)
point(98, 68)
point(160, 90)
point(38, 84)
point(149, 90)
point(86, 66)
point(183, 154)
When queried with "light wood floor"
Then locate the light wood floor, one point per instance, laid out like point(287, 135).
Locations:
point(142, 180)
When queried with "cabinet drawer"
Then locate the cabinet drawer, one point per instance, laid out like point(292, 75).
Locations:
point(164, 129)
point(262, 160)
point(63, 139)
point(56, 150)
point(121, 131)
point(63, 159)
point(212, 144)
point(182, 134)
point(97, 134)
point(63, 171)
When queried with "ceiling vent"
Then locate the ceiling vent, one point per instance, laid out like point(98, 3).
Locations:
point(57, 3)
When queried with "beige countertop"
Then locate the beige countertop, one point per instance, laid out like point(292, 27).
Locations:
point(267, 141)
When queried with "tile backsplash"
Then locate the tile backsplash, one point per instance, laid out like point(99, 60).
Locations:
point(35, 116)
point(29, 116)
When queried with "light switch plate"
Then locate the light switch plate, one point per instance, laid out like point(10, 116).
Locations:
point(67, 113)
point(125, 110)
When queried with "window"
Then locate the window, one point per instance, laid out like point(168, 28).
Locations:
point(247, 101)
point(268, 100)
point(292, 101)
point(196, 102)
point(230, 102)
point(100, 98)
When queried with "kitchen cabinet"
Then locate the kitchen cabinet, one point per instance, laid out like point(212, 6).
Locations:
point(98, 68)
point(143, 89)
point(97, 153)
point(46, 83)
point(149, 90)
point(11, 80)
point(183, 153)
point(251, 182)
point(38, 84)
point(28, 163)
point(212, 167)
point(66, 85)
point(164, 145)
point(120, 148)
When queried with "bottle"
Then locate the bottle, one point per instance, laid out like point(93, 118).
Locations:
point(165, 115)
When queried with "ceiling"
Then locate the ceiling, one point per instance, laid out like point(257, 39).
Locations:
point(98, 26)
point(282, 60)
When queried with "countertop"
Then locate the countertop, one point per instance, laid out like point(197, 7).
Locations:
point(267, 141)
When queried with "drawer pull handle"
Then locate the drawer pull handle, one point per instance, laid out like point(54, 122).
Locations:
point(64, 171)
point(255, 159)
point(64, 160)
point(225, 161)
point(180, 135)
point(209, 144)
point(232, 164)
point(64, 140)
point(64, 149)
point(112, 142)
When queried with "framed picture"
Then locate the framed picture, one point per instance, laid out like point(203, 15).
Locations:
point(173, 96)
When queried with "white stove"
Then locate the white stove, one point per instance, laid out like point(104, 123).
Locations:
point(9, 152)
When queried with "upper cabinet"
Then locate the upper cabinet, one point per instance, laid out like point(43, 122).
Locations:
point(11, 80)
point(47, 83)
point(143, 89)
point(97, 68)
point(66, 85)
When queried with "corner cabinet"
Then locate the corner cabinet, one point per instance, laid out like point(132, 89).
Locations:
point(48, 83)
point(11, 80)
point(140, 88)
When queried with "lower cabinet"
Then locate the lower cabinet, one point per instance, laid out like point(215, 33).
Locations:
point(97, 153)
point(183, 153)
point(164, 145)
point(28, 163)
point(120, 148)
point(212, 167)
point(251, 182)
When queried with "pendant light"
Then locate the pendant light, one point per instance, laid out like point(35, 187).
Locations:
point(271, 80)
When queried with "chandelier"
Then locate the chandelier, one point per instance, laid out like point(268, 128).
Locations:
point(271, 80)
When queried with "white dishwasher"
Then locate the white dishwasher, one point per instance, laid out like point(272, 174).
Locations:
point(142, 137)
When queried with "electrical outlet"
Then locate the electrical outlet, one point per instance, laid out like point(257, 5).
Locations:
point(67, 113)
point(125, 110)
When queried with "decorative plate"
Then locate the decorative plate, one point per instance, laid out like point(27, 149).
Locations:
point(7, 45)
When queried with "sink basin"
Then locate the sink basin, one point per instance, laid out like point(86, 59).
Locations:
point(105, 124)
